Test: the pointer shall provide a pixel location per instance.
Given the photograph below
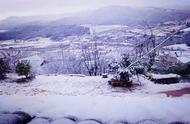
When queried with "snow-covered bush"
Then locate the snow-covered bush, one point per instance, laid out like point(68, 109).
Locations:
point(122, 79)
point(4, 68)
point(125, 76)
point(125, 62)
point(23, 68)
point(113, 67)
point(139, 70)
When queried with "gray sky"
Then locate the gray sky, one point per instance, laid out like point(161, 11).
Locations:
point(38, 7)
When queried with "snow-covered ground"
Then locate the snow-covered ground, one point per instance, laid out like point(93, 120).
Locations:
point(92, 98)
point(40, 43)
point(76, 85)
point(102, 28)
point(131, 108)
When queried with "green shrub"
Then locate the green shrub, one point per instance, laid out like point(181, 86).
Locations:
point(23, 68)
point(4, 68)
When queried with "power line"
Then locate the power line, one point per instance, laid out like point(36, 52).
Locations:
point(140, 57)
point(155, 48)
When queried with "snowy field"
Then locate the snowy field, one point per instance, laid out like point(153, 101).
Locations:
point(41, 43)
point(87, 97)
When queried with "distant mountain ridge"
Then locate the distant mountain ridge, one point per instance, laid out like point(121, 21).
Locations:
point(59, 26)
point(54, 32)
point(120, 15)
point(14, 21)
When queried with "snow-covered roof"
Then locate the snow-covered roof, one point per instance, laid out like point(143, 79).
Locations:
point(186, 30)
point(184, 59)
point(178, 47)
point(164, 76)
point(2, 31)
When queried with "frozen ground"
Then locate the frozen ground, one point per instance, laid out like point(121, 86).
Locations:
point(87, 97)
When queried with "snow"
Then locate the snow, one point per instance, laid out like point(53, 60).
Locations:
point(40, 43)
point(2, 31)
point(63, 121)
point(35, 62)
point(88, 122)
point(131, 108)
point(57, 96)
point(136, 30)
point(150, 88)
point(85, 97)
point(178, 47)
point(76, 85)
point(179, 51)
point(102, 28)
point(186, 30)
point(163, 76)
point(184, 59)
point(39, 121)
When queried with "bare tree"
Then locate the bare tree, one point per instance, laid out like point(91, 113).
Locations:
point(145, 43)
point(11, 56)
point(91, 58)
point(63, 61)
point(151, 45)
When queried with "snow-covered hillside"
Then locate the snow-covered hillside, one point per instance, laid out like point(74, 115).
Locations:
point(56, 92)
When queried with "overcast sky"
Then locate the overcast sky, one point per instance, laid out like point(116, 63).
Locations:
point(38, 7)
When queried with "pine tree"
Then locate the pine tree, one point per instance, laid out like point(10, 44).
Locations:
point(23, 68)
